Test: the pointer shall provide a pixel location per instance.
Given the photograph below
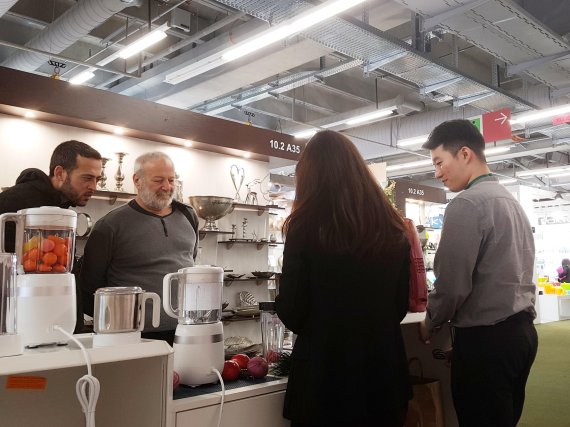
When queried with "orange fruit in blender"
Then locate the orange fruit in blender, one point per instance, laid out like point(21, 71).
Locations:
point(30, 265)
point(60, 249)
point(58, 268)
point(49, 258)
point(47, 245)
point(44, 268)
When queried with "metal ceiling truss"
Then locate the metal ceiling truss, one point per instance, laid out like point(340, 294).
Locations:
point(275, 87)
point(371, 46)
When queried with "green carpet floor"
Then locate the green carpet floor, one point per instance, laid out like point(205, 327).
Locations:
point(548, 388)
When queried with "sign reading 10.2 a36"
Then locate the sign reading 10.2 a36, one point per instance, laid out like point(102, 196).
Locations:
point(283, 146)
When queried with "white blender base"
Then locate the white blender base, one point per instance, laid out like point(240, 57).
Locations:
point(110, 340)
point(11, 345)
point(45, 300)
point(197, 349)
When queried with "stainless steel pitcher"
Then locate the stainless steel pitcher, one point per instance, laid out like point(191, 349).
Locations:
point(122, 309)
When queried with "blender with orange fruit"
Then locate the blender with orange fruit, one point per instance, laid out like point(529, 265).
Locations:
point(45, 240)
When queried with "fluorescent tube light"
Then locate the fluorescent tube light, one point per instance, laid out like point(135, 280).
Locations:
point(286, 29)
point(543, 114)
point(369, 116)
point(145, 41)
point(305, 133)
point(496, 150)
point(308, 19)
point(409, 165)
point(544, 171)
point(407, 142)
point(82, 77)
point(508, 181)
point(560, 175)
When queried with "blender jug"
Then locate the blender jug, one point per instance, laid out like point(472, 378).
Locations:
point(10, 341)
point(198, 295)
point(272, 332)
point(44, 241)
point(199, 336)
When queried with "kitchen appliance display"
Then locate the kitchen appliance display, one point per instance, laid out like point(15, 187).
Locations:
point(45, 240)
point(10, 341)
point(199, 336)
point(119, 314)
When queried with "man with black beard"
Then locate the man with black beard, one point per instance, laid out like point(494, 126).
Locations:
point(74, 170)
point(140, 242)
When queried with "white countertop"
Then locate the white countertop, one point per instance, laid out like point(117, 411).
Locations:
point(58, 357)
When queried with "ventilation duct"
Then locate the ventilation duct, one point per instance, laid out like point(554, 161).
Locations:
point(74, 24)
point(6, 5)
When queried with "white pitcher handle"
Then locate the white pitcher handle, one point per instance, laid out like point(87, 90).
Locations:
point(166, 295)
point(155, 307)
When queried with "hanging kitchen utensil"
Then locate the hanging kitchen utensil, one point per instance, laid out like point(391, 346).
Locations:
point(238, 175)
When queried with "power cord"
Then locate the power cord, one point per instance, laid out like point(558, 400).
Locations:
point(223, 395)
point(87, 387)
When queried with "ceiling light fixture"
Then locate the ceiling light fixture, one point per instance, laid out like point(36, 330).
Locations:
point(82, 77)
point(119, 131)
point(305, 133)
point(542, 114)
point(508, 181)
point(416, 140)
point(30, 115)
point(544, 171)
point(188, 144)
point(496, 150)
point(369, 116)
point(144, 42)
point(304, 20)
point(246, 155)
point(409, 165)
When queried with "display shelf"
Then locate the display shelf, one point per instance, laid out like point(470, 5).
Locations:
point(258, 280)
point(259, 208)
point(202, 233)
point(59, 357)
point(236, 318)
point(112, 196)
point(230, 243)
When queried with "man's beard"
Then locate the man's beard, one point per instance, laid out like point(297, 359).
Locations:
point(70, 193)
point(156, 201)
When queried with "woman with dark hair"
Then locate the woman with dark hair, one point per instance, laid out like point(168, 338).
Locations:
point(344, 291)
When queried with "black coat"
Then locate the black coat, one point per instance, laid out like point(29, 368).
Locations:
point(349, 365)
point(33, 189)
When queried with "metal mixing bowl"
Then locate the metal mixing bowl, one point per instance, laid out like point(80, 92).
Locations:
point(211, 208)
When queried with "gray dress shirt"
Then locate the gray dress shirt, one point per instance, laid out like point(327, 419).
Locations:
point(484, 262)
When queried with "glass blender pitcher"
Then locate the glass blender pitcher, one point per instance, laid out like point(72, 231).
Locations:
point(45, 241)
point(199, 336)
point(10, 341)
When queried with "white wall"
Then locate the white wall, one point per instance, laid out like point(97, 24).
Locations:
point(26, 143)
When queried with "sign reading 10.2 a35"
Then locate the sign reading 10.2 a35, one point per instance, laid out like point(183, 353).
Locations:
point(284, 146)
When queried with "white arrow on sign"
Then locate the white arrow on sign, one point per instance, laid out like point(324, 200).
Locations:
point(502, 119)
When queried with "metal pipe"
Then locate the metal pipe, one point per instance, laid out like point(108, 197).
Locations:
point(65, 58)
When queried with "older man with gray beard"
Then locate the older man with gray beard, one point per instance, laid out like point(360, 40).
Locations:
point(138, 243)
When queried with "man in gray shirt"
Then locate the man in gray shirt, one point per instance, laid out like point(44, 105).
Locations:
point(483, 265)
point(138, 243)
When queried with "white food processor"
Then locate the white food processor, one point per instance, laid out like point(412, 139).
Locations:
point(45, 286)
point(10, 340)
point(119, 314)
point(199, 336)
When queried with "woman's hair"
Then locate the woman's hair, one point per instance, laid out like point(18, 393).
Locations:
point(566, 261)
point(339, 205)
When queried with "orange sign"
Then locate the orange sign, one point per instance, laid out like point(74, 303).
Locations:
point(17, 382)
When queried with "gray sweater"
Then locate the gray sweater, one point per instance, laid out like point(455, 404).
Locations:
point(132, 247)
point(485, 259)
